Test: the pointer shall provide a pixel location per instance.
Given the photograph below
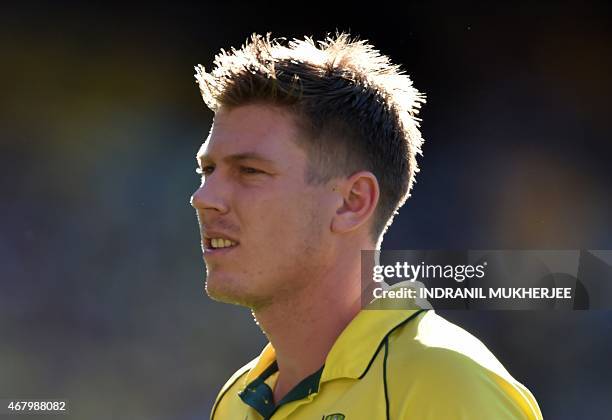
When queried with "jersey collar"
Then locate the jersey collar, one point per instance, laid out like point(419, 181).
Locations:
point(355, 348)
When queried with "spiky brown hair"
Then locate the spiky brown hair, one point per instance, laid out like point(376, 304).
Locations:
point(356, 109)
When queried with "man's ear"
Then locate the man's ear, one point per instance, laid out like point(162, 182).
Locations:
point(360, 193)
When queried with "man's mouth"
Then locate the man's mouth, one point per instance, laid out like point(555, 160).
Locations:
point(218, 243)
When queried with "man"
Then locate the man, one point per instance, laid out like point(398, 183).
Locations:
point(312, 150)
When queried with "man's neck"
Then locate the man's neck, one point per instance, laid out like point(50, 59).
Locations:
point(304, 328)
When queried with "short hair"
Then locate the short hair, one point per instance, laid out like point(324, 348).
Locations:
point(356, 109)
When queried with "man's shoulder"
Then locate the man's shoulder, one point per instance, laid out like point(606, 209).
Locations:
point(432, 339)
point(234, 382)
point(433, 360)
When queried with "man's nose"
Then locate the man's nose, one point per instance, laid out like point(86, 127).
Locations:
point(210, 196)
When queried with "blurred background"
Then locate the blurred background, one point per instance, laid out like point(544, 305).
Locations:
point(101, 277)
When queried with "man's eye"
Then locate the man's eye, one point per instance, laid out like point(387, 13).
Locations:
point(250, 171)
point(206, 170)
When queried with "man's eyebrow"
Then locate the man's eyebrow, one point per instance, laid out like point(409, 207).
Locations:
point(237, 157)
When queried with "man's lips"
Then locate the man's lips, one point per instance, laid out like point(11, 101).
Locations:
point(210, 234)
point(209, 251)
point(217, 243)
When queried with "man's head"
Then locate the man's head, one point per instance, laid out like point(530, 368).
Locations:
point(311, 146)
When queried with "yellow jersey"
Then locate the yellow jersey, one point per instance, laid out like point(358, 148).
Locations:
point(386, 364)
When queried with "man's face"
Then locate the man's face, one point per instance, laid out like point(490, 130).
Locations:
point(253, 197)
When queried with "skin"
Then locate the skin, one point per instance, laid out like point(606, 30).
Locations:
point(297, 263)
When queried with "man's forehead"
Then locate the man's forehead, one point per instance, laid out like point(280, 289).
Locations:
point(253, 129)
point(220, 147)
point(246, 154)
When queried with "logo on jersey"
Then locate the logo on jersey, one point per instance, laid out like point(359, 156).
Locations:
point(335, 416)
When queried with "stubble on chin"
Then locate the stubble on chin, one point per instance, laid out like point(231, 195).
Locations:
point(233, 294)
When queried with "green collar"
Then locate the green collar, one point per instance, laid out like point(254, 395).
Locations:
point(350, 357)
point(259, 395)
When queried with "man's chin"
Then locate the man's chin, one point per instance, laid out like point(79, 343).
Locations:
point(225, 294)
